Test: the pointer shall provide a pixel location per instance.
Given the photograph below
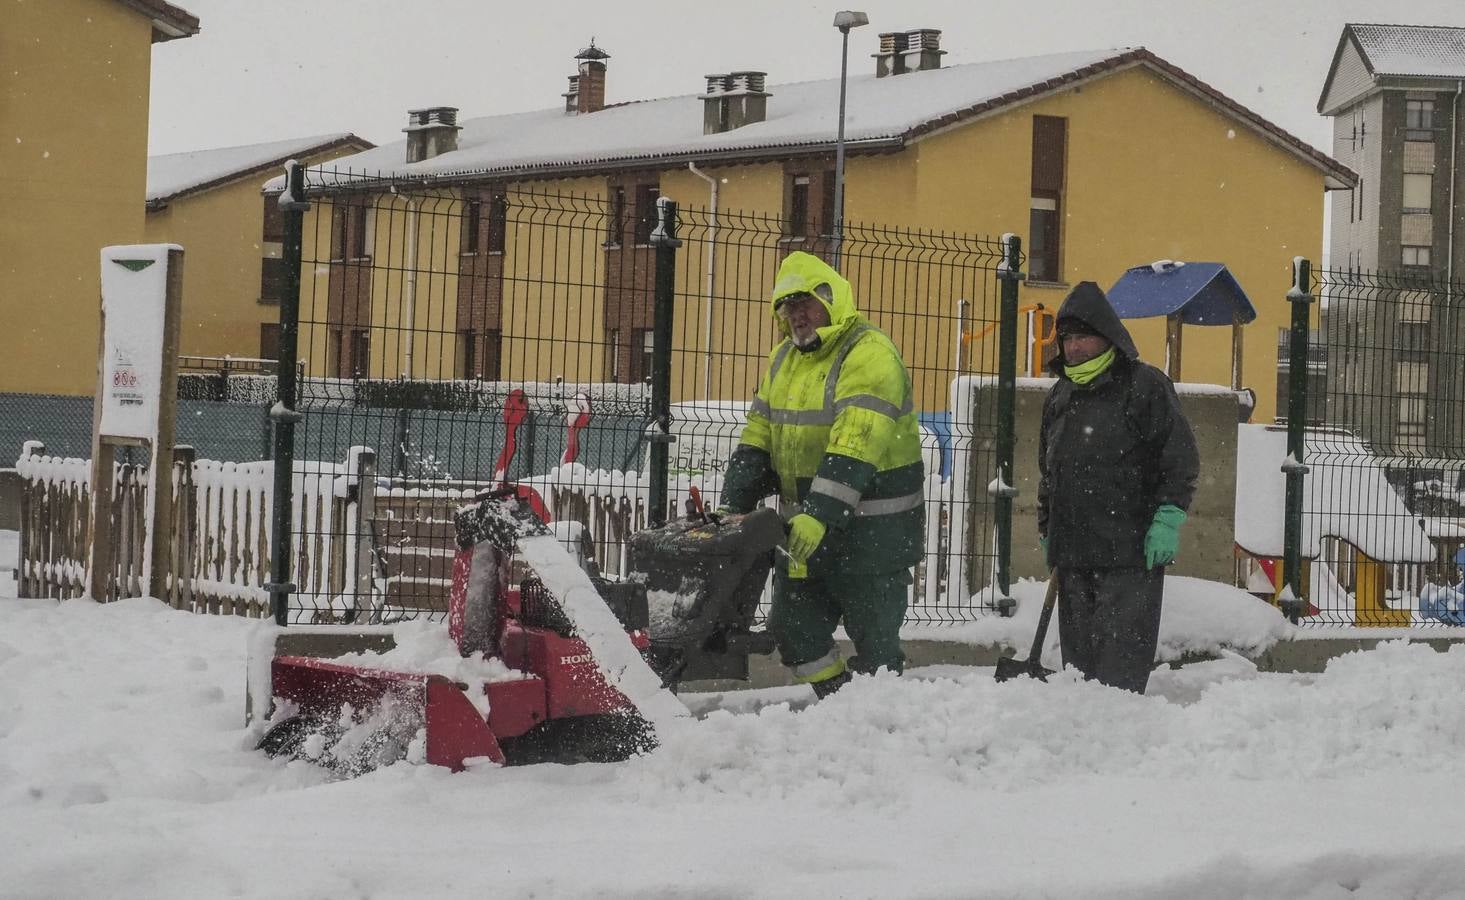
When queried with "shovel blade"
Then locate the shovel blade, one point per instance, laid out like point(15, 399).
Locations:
point(1009, 668)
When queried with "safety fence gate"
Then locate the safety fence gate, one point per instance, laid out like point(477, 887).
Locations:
point(600, 349)
point(1375, 517)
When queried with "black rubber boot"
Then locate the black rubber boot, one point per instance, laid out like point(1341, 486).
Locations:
point(828, 686)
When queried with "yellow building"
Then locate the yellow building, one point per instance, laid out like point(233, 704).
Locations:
point(212, 204)
point(73, 160)
point(1099, 160)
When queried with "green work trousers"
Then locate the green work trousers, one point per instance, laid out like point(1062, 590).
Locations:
point(806, 611)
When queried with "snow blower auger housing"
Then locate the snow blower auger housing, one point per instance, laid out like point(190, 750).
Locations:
point(578, 687)
point(703, 576)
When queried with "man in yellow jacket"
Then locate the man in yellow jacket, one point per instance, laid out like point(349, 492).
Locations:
point(832, 431)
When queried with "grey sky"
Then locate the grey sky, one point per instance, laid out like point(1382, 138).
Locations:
point(265, 70)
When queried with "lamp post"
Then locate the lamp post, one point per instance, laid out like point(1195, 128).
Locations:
point(844, 20)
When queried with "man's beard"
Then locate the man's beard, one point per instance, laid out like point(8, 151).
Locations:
point(806, 344)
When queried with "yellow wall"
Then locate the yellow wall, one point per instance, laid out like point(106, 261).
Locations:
point(220, 232)
point(1201, 187)
point(73, 172)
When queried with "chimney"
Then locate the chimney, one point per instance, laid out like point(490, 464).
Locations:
point(734, 100)
point(915, 50)
point(431, 131)
point(587, 87)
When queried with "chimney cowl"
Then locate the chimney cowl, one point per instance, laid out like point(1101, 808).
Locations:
point(587, 87)
point(911, 50)
point(431, 131)
point(734, 100)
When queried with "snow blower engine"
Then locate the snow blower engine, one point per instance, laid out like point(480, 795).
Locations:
point(571, 666)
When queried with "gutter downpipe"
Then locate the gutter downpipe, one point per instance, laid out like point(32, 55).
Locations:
point(1454, 175)
point(711, 278)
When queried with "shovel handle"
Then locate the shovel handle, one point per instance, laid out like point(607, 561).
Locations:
point(1050, 600)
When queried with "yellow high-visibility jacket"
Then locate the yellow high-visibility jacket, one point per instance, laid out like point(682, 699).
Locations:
point(833, 432)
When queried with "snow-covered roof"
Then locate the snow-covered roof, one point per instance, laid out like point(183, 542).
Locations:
point(1429, 51)
point(175, 174)
point(1345, 495)
point(802, 117)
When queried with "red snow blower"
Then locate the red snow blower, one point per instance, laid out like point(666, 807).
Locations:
point(587, 667)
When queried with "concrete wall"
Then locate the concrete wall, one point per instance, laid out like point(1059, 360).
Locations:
point(1208, 536)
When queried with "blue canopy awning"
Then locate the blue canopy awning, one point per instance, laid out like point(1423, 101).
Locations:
point(1203, 293)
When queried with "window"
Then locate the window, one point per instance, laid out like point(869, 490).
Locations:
point(1415, 256)
point(1418, 114)
point(274, 220)
point(498, 223)
point(1415, 306)
point(271, 279)
point(468, 354)
point(1045, 221)
point(479, 358)
point(1360, 198)
point(269, 340)
point(1043, 239)
point(826, 206)
point(615, 223)
point(646, 195)
point(472, 211)
point(360, 360)
point(1418, 191)
point(797, 224)
point(1411, 418)
point(641, 362)
point(348, 231)
point(1411, 378)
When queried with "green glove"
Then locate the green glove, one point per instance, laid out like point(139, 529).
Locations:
point(804, 534)
point(1163, 538)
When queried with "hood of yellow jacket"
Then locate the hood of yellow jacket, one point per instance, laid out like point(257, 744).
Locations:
point(805, 273)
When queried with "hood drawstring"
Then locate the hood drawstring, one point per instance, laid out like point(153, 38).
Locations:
point(1085, 372)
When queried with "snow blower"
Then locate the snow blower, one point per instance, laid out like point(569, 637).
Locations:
point(575, 668)
point(703, 576)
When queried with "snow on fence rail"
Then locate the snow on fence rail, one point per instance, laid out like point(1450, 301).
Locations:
point(219, 548)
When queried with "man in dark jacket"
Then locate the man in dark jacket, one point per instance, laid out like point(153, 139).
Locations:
point(1117, 463)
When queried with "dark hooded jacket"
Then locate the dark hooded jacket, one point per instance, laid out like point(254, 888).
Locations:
point(1111, 452)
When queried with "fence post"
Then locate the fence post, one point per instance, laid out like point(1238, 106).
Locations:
point(25, 581)
point(183, 526)
point(664, 239)
point(1003, 490)
point(1294, 466)
point(283, 413)
point(365, 513)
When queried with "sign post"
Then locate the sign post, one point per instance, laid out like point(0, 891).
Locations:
point(136, 402)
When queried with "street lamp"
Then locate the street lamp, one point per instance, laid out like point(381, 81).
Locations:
point(844, 20)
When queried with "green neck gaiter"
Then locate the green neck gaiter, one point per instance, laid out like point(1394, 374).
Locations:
point(1083, 373)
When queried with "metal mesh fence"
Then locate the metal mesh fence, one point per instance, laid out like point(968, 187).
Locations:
point(453, 337)
point(1384, 495)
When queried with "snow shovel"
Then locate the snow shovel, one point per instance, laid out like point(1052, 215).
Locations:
point(1009, 667)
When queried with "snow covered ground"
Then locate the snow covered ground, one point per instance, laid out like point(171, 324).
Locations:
point(125, 771)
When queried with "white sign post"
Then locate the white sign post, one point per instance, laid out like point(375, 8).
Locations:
point(136, 401)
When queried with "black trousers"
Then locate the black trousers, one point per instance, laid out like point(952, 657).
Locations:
point(1109, 623)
